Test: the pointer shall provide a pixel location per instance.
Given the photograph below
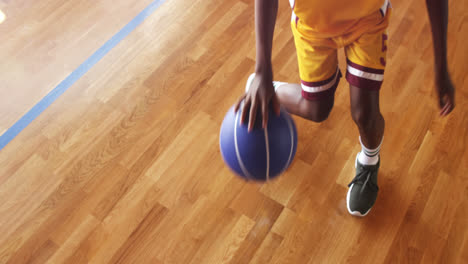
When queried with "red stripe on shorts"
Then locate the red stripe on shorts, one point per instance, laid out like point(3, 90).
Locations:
point(322, 94)
point(363, 83)
point(365, 69)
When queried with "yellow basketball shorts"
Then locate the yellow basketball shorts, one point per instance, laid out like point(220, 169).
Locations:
point(365, 50)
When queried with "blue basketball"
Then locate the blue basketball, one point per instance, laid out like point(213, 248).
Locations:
point(261, 154)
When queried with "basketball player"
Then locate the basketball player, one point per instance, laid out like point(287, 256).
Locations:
point(319, 29)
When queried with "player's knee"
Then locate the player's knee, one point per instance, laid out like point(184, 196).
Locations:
point(317, 117)
point(317, 114)
point(364, 118)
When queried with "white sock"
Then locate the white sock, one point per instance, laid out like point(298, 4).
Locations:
point(369, 156)
point(277, 85)
point(252, 76)
point(249, 82)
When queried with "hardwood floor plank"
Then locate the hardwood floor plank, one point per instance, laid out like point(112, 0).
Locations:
point(125, 166)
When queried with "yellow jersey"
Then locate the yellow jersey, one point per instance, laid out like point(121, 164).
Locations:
point(330, 18)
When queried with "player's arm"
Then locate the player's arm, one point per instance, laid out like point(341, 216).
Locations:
point(438, 16)
point(261, 91)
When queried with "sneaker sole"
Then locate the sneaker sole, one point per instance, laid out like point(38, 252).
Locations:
point(355, 213)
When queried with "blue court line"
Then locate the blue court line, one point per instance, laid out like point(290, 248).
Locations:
point(45, 102)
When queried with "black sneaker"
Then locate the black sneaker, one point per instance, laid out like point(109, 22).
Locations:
point(363, 189)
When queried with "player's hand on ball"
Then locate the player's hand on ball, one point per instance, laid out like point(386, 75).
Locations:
point(446, 93)
point(261, 92)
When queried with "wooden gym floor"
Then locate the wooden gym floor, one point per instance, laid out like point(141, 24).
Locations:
point(125, 167)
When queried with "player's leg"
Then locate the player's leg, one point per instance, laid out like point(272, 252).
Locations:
point(365, 110)
point(313, 99)
point(313, 106)
point(366, 62)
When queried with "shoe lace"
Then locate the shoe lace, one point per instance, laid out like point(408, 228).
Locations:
point(363, 177)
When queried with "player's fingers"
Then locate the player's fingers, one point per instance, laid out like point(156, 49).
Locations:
point(446, 109)
point(448, 105)
point(442, 102)
point(245, 110)
point(238, 103)
point(442, 110)
point(443, 105)
point(449, 108)
point(253, 114)
point(264, 114)
point(276, 105)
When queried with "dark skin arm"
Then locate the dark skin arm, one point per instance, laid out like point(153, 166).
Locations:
point(438, 16)
point(261, 92)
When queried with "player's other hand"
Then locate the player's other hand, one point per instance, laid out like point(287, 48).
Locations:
point(446, 93)
point(258, 98)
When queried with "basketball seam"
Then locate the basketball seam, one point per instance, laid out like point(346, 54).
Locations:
point(291, 132)
point(243, 168)
point(267, 146)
